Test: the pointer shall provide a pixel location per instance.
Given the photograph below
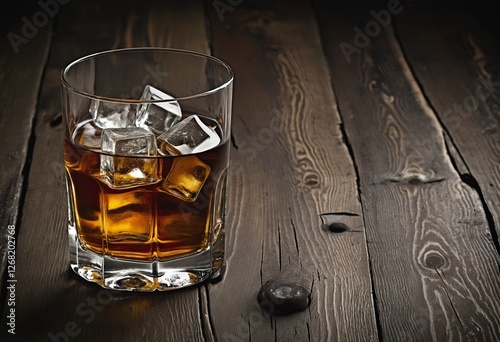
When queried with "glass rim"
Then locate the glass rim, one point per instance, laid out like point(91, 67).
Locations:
point(224, 85)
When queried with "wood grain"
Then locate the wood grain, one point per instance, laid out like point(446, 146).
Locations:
point(469, 109)
point(18, 97)
point(426, 229)
point(290, 167)
point(50, 299)
point(180, 31)
point(359, 180)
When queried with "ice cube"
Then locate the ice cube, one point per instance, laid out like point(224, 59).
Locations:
point(190, 135)
point(186, 178)
point(87, 134)
point(157, 117)
point(112, 115)
point(121, 162)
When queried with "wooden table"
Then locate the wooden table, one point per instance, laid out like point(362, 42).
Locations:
point(365, 165)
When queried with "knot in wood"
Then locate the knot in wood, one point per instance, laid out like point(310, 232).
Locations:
point(311, 180)
point(334, 222)
point(413, 179)
point(434, 261)
point(337, 227)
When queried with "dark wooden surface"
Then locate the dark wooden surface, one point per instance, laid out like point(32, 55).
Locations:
point(370, 177)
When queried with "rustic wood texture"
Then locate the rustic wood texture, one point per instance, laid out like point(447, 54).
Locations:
point(357, 179)
point(290, 169)
point(20, 86)
point(435, 271)
point(45, 304)
point(469, 110)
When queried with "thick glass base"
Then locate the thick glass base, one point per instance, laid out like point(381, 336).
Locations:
point(130, 275)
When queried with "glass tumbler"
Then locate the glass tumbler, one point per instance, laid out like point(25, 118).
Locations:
point(146, 152)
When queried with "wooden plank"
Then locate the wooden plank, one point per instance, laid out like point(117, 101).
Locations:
point(435, 274)
point(290, 167)
point(179, 31)
point(51, 301)
point(469, 107)
point(18, 98)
